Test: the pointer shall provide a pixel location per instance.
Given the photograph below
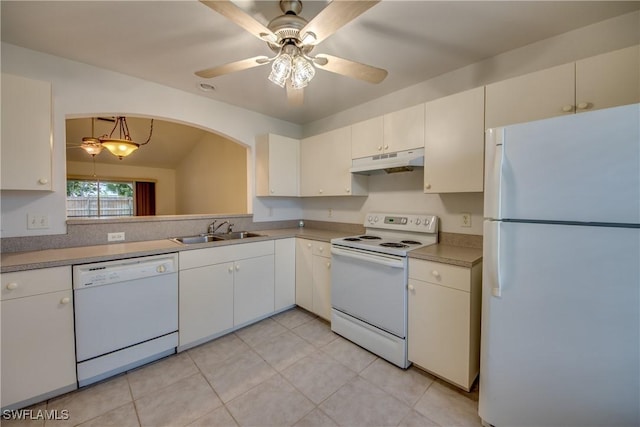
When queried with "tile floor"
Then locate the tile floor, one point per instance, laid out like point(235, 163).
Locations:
point(289, 369)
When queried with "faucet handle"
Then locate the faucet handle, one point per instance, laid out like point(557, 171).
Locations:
point(211, 228)
point(230, 229)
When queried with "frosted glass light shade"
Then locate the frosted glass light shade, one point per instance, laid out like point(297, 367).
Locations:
point(120, 147)
point(280, 70)
point(302, 72)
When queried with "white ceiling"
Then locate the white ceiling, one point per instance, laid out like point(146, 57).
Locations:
point(166, 41)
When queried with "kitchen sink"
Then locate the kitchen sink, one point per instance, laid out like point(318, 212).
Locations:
point(239, 235)
point(201, 238)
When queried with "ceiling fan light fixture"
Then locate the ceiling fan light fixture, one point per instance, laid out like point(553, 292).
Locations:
point(91, 145)
point(281, 69)
point(302, 72)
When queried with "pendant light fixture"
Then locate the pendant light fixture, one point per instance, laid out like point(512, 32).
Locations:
point(123, 145)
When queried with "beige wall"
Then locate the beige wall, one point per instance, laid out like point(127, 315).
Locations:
point(164, 178)
point(212, 178)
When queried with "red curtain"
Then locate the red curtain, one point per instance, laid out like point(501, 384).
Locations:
point(145, 198)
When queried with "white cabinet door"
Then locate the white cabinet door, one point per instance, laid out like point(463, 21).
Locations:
point(277, 162)
point(534, 96)
point(608, 80)
point(325, 161)
point(253, 293)
point(206, 302)
point(285, 273)
point(322, 286)
point(367, 138)
point(26, 151)
point(439, 319)
point(444, 304)
point(38, 347)
point(404, 129)
point(454, 143)
point(304, 273)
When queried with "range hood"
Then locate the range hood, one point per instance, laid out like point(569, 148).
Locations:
point(401, 161)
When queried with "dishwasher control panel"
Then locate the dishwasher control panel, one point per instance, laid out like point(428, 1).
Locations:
point(124, 270)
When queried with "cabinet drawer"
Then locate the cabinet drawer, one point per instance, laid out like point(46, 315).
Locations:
point(34, 282)
point(322, 249)
point(222, 254)
point(451, 276)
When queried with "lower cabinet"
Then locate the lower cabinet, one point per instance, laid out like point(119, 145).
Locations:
point(38, 347)
point(224, 287)
point(313, 276)
point(444, 320)
point(285, 274)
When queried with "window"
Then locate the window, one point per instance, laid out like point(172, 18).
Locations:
point(92, 198)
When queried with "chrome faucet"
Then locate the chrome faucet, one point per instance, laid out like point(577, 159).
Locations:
point(213, 227)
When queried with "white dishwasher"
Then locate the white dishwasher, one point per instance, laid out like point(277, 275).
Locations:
point(126, 314)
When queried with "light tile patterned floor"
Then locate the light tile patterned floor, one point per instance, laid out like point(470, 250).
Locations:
point(286, 370)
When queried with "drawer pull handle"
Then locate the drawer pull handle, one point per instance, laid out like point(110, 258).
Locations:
point(435, 273)
point(328, 265)
point(411, 288)
point(43, 181)
point(237, 267)
point(320, 248)
point(231, 269)
point(11, 286)
point(65, 300)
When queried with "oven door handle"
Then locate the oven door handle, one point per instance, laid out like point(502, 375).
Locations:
point(389, 261)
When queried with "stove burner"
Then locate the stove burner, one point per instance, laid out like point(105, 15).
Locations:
point(369, 237)
point(411, 242)
point(393, 245)
point(352, 239)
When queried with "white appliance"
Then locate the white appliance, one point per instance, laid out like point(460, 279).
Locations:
point(369, 282)
point(401, 161)
point(561, 276)
point(126, 314)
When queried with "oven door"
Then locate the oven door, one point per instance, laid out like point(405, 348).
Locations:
point(370, 287)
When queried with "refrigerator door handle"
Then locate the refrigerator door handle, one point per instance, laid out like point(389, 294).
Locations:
point(492, 256)
point(493, 173)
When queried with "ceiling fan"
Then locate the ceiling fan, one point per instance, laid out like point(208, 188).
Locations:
point(292, 39)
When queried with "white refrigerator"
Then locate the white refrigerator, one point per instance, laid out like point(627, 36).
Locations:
point(561, 272)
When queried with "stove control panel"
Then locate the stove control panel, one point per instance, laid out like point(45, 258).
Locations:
point(408, 222)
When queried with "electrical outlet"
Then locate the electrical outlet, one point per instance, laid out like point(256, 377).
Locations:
point(115, 237)
point(37, 221)
point(465, 220)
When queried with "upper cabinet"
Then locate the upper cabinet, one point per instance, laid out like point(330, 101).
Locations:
point(454, 143)
point(277, 161)
point(367, 138)
point(608, 80)
point(397, 131)
point(26, 149)
point(325, 161)
point(601, 81)
point(404, 129)
point(531, 97)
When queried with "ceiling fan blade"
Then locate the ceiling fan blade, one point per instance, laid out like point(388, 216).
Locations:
point(337, 14)
point(349, 68)
point(232, 67)
point(233, 13)
point(295, 96)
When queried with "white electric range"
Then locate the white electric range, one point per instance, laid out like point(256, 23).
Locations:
point(369, 281)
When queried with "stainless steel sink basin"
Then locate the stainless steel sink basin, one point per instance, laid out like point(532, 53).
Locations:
point(239, 235)
point(202, 238)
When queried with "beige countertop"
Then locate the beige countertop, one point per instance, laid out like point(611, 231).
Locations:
point(448, 254)
point(18, 261)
